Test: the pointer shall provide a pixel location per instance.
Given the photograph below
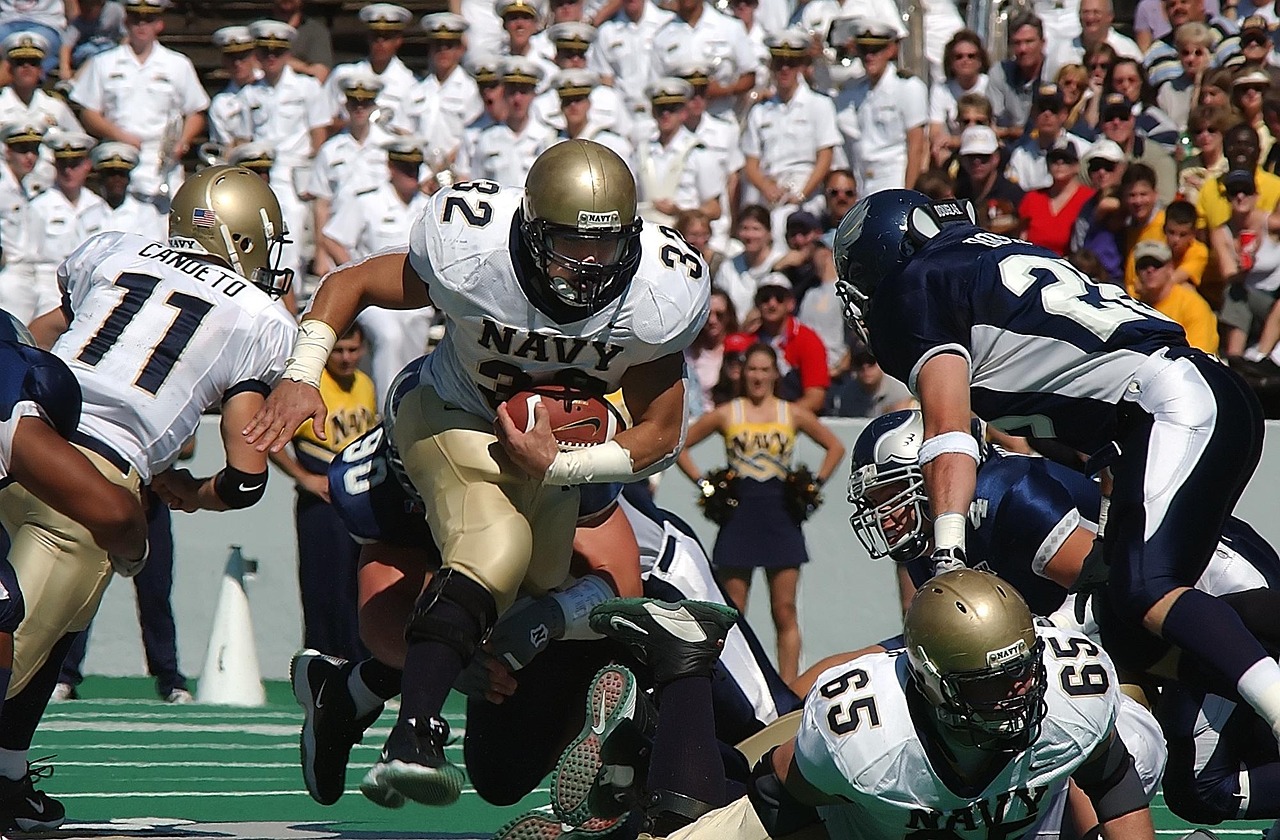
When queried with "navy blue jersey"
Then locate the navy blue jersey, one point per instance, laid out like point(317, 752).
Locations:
point(33, 382)
point(1050, 352)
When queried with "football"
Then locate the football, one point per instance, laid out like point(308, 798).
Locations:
point(578, 418)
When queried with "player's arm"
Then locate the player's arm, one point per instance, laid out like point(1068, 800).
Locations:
point(56, 473)
point(239, 484)
point(610, 553)
point(783, 798)
point(949, 454)
point(385, 279)
point(1111, 781)
point(46, 328)
point(803, 684)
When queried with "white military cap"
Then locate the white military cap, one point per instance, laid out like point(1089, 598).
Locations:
point(696, 73)
point(360, 84)
point(521, 70)
point(575, 81)
point(114, 155)
point(873, 31)
point(485, 69)
point(256, 156)
point(789, 43)
point(146, 7)
point(272, 33)
point(405, 148)
point(669, 90)
point(444, 26)
point(572, 35)
point(69, 144)
point(531, 8)
point(22, 132)
point(385, 16)
point(25, 44)
point(233, 39)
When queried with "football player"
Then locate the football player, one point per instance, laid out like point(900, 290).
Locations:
point(972, 319)
point(557, 281)
point(155, 334)
point(973, 729)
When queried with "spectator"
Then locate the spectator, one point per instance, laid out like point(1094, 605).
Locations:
point(1215, 89)
point(1161, 60)
point(113, 163)
point(1247, 92)
point(623, 53)
point(996, 198)
point(49, 19)
point(760, 431)
point(98, 28)
point(146, 95)
point(1015, 80)
point(699, 32)
point(807, 262)
point(741, 275)
point(735, 355)
point(485, 35)
point(790, 137)
point(447, 81)
point(868, 391)
point(521, 20)
point(1146, 216)
point(1088, 264)
point(1102, 216)
point(1049, 213)
point(572, 42)
point(1150, 23)
point(965, 64)
point(802, 357)
point(1028, 162)
point(1215, 207)
point(1129, 79)
point(883, 116)
point(504, 152)
point(1096, 19)
point(745, 11)
point(23, 101)
point(1176, 95)
point(675, 172)
point(575, 88)
point(1256, 45)
point(718, 136)
point(1073, 83)
point(1119, 126)
point(312, 53)
point(840, 192)
point(327, 555)
point(385, 24)
point(705, 357)
point(1158, 289)
point(1251, 262)
point(1271, 114)
point(1190, 255)
point(822, 311)
point(1097, 64)
point(936, 184)
point(695, 227)
point(1205, 127)
point(487, 72)
point(229, 121)
point(22, 144)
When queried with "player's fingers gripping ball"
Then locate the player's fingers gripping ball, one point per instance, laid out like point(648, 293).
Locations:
point(578, 418)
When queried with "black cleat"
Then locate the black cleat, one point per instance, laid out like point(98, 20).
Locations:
point(24, 808)
point(677, 639)
point(330, 727)
point(413, 766)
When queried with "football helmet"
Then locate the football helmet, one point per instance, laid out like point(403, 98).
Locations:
point(14, 331)
point(975, 656)
point(879, 236)
point(579, 225)
point(886, 488)
point(229, 213)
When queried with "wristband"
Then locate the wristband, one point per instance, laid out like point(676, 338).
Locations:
point(1103, 509)
point(600, 464)
point(311, 350)
point(948, 531)
point(576, 603)
point(958, 442)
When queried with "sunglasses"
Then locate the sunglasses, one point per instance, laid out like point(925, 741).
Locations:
point(1117, 117)
point(1235, 192)
point(25, 148)
point(1100, 65)
point(1193, 51)
point(973, 56)
point(779, 63)
point(771, 294)
point(25, 62)
point(1204, 129)
point(1258, 89)
point(360, 103)
point(1102, 166)
point(1254, 41)
point(659, 110)
point(135, 19)
point(870, 49)
point(274, 52)
point(1148, 265)
point(846, 193)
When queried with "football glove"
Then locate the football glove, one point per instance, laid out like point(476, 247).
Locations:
point(947, 560)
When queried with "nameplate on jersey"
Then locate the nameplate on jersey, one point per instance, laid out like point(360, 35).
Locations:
point(588, 220)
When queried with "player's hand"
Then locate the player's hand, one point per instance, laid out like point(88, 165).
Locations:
point(947, 560)
point(526, 630)
point(316, 485)
point(290, 405)
point(532, 451)
point(178, 489)
point(487, 676)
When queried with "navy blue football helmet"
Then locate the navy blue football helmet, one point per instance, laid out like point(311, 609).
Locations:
point(880, 235)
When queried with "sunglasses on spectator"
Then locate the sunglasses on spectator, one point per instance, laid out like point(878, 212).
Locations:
point(134, 19)
point(1102, 166)
point(973, 56)
point(1204, 129)
point(1253, 89)
point(847, 193)
point(25, 62)
point(1148, 265)
point(25, 148)
point(274, 52)
point(967, 121)
point(778, 63)
point(870, 49)
point(1100, 65)
point(659, 110)
point(1117, 116)
point(1254, 41)
point(766, 295)
point(1233, 192)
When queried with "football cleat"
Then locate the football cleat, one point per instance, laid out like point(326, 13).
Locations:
point(613, 699)
point(624, 768)
point(330, 727)
point(676, 639)
point(413, 766)
point(24, 808)
point(537, 825)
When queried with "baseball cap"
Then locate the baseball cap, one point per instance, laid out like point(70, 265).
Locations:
point(1115, 105)
point(1108, 150)
point(1048, 98)
point(978, 140)
point(1063, 151)
point(802, 221)
point(1151, 250)
point(1239, 180)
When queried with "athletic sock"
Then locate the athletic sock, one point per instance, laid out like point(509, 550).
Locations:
point(22, 712)
point(13, 763)
point(371, 684)
point(686, 756)
point(430, 670)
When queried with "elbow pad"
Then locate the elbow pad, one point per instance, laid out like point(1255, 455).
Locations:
point(780, 813)
point(1112, 783)
point(239, 489)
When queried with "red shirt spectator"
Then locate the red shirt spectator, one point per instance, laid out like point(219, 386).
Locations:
point(1049, 214)
point(801, 354)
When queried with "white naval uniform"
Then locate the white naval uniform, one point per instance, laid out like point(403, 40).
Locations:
point(485, 34)
point(228, 117)
point(467, 146)
point(17, 278)
point(458, 95)
point(786, 137)
point(140, 217)
point(874, 122)
point(398, 83)
point(857, 741)
point(607, 110)
point(722, 140)
point(344, 165)
point(494, 333)
point(623, 50)
point(718, 40)
point(372, 220)
point(139, 399)
point(549, 67)
point(606, 137)
point(683, 170)
point(52, 229)
point(43, 110)
point(503, 156)
point(143, 97)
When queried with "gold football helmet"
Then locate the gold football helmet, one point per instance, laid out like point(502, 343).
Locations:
point(579, 225)
point(975, 657)
point(230, 214)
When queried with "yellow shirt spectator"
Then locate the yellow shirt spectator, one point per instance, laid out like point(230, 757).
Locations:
point(1157, 288)
point(1214, 207)
point(1153, 231)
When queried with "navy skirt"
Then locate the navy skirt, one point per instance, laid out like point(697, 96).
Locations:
point(760, 533)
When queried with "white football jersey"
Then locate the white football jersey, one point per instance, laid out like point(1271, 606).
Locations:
point(497, 342)
point(858, 742)
point(157, 337)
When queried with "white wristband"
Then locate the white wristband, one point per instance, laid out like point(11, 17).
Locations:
point(947, 442)
point(576, 603)
point(599, 464)
point(311, 351)
point(948, 531)
point(1103, 509)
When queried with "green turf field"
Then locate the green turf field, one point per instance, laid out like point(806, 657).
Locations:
point(148, 768)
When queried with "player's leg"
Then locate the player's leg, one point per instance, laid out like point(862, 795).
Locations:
point(782, 604)
point(12, 610)
point(22, 806)
point(1190, 446)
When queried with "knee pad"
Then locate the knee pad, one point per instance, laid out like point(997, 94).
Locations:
point(454, 610)
point(667, 811)
point(12, 608)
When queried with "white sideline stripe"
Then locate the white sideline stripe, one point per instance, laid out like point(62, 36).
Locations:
point(186, 713)
point(208, 794)
point(237, 765)
point(276, 729)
